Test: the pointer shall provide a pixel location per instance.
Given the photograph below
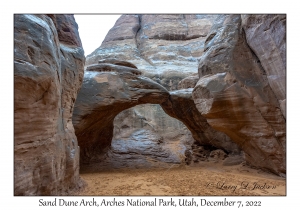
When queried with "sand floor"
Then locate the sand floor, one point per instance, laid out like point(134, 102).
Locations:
point(205, 178)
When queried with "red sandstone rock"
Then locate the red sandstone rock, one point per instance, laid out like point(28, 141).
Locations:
point(235, 96)
point(117, 62)
point(266, 36)
point(48, 71)
point(108, 91)
point(181, 106)
point(164, 47)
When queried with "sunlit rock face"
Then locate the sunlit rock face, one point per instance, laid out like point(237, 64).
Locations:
point(48, 71)
point(238, 95)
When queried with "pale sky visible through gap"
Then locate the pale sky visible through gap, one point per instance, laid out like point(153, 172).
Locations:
point(93, 29)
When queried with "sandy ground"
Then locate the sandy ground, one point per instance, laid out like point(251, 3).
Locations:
point(205, 178)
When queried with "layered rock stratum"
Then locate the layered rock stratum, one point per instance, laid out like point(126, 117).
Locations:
point(266, 36)
point(109, 89)
point(164, 47)
point(240, 92)
point(239, 88)
point(48, 71)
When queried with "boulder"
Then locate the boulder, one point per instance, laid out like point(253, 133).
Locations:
point(217, 155)
point(234, 160)
point(188, 82)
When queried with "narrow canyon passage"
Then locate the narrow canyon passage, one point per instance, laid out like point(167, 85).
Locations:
point(168, 104)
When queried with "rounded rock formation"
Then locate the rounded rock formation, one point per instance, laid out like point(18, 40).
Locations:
point(48, 71)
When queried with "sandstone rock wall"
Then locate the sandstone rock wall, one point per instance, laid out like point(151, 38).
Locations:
point(109, 89)
point(266, 36)
point(48, 71)
point(140, 140)
point(151, 117)
point(181, 106)
point(238, 95)
point(164, 47)
point(241, 66)
point(106, 91)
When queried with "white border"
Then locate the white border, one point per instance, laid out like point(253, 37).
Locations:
point(153, 6)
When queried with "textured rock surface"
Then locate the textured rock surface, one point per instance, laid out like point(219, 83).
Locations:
point(234, 94)
point(104, 94)
point(189, 82)
point(109, 89)
point(48, 71)
point(164, 47)
point(217, 155)
point(181, 106)
point(150, 117)
point(266, 35)
point(145, 148)
point(117, 62)
point(144, 136)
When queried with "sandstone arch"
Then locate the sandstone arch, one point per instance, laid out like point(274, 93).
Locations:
point(109, 89)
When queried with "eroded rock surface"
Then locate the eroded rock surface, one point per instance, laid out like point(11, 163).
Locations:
point(109, 89)
point(235, 96)
point(182, 107)
point(189, 82)
point(266, 36)
point(150, 137)
point(103, 95)
point(164, 47)
point(48, 71)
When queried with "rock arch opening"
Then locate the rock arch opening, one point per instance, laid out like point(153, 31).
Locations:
point(145, 137)
point(109, 89)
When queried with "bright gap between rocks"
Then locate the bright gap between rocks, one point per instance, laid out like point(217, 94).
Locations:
point(146, 137)
point(93, 29)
